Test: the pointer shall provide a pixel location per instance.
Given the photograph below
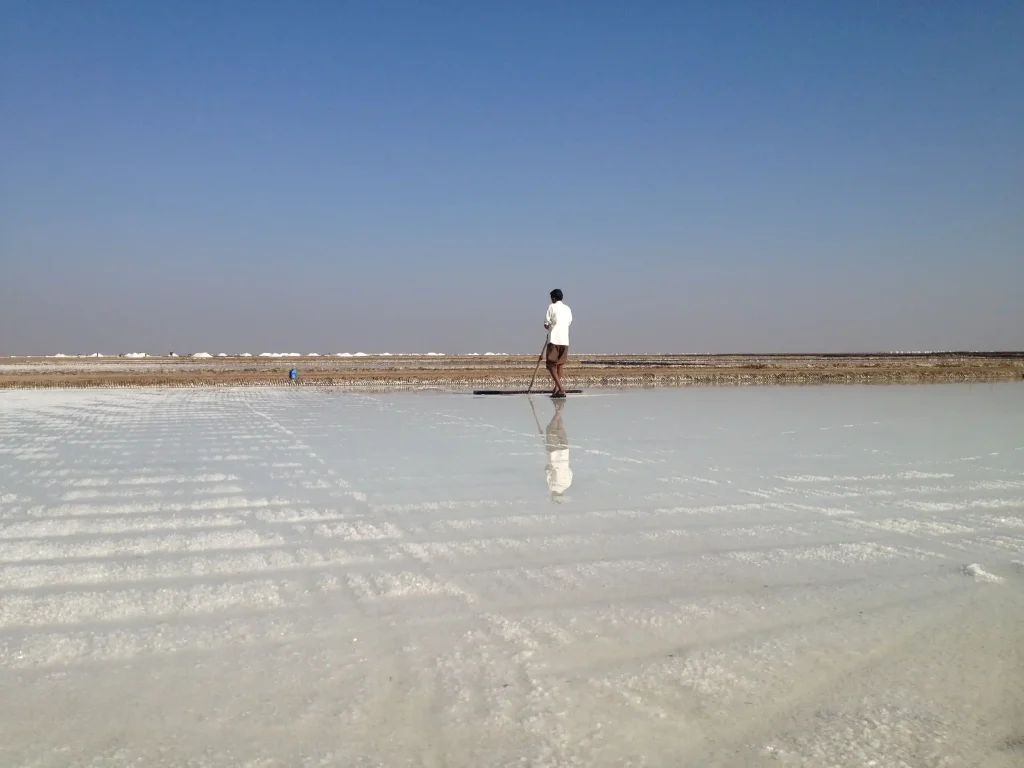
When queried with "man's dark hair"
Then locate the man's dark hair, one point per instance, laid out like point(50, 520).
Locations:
point(556, 294)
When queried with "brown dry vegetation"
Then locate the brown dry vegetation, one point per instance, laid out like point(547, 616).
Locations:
point(513, 371)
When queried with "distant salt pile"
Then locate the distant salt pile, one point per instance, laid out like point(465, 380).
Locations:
point(360, 354)
point(135, 354)
point(435, 354)
point(246, 354)
point(95, 354)
point(384, 354)
point(269, 354)
point(59, 354)
point(313, 354)
point(495, 354)
point(343, 354)
point(202, 354)
point(222, 354)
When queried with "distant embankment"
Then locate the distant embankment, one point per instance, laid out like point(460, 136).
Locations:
point(473, 372)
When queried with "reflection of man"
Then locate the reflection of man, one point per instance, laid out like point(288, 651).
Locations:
point(556, 441)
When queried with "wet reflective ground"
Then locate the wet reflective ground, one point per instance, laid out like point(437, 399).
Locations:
point(805, 576)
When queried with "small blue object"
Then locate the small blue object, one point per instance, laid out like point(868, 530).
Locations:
point(293, 374)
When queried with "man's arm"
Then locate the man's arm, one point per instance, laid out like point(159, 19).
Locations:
point(549, 318)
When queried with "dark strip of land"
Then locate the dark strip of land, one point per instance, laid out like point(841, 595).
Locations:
point(514, 371)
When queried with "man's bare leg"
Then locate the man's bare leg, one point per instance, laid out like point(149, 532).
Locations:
point(558, 373)
point(553, 370)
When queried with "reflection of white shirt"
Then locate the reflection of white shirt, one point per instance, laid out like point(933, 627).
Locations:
point(558, 471)
point(559, 317)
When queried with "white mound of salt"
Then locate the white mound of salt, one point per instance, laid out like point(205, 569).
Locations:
point(980, 574)
point(313, 354)
point(246, 354)
point(202, 354)
point(360, 354)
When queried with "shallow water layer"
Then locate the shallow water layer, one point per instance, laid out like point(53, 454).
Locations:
point(765, 576)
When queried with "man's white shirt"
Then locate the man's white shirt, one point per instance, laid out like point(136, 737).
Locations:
point(559, 318)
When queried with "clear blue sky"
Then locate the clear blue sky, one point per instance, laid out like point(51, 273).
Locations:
point(416, 176)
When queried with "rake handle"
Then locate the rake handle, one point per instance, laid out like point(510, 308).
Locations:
point(542, 350)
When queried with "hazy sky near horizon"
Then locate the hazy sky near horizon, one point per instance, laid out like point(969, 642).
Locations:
point(407, 176)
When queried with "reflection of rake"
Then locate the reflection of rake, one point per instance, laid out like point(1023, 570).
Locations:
point(535, 419)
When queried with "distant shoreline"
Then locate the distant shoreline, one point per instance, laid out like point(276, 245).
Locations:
point(405, 372)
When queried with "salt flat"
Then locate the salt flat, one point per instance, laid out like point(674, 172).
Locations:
point(764, 576)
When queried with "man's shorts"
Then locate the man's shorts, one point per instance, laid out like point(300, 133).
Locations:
point(557, 354)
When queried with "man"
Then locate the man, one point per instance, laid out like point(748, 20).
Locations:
point(557, 322)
